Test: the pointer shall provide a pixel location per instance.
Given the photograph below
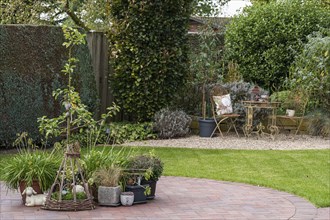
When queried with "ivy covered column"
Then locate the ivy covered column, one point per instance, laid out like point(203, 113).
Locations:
point(149, 48)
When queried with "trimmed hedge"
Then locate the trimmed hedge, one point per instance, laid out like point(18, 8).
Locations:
point(31, 61)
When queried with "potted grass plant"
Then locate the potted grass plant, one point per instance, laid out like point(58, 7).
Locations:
point(30, 167)
point(109, 190)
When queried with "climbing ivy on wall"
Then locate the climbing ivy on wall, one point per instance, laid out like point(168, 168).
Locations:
point(149, 46)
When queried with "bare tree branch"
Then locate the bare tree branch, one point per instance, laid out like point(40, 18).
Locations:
point(74, 17)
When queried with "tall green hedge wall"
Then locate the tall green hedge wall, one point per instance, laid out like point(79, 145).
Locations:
point(31, 60)
point(150, 47)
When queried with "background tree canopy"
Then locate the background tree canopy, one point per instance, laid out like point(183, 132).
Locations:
point(88, 14)
point(265, 39)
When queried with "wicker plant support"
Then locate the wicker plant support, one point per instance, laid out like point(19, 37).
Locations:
point(70, 162)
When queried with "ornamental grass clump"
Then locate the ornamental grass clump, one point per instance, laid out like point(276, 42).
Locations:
point(107, 176)
point(30, 164)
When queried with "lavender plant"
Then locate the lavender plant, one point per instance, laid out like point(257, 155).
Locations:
point(170, 124)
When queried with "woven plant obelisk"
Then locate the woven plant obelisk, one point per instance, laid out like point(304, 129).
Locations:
point(69, 190)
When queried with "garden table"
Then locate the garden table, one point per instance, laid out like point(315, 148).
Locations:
point(272, 128)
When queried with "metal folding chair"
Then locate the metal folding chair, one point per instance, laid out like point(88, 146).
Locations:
point(227, 118)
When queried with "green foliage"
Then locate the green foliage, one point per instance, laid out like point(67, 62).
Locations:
point(207, 7)
point(88, 14)
point(311, 70)
point(149, 47)
point(107, 176)
point(120, 132)
point(171, 123)
point(76, 115)
point(265, 39)
point(233, 74)
point(319, 122)
point(31, 165)
point(281, 96)
point(147, 162)
point(21, 12)
point(205, 63)
point(69, 196)
point(95, 159)
point(28, 79)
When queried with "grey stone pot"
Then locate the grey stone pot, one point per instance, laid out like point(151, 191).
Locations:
point(127, 198)
point(109, 196)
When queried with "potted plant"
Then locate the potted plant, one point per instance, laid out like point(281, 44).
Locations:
point(107, 179)
point(132, 179)
point(127, 198)
point(152, 163)
point(205, 66)
point(30, 167)
point(291, 101)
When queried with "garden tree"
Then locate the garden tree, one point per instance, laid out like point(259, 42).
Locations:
point(207, 7)
point(20, 12)
point(265, 39)
point(88, 14)
point(150, 53)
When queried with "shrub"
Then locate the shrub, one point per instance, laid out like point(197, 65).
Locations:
point(311, 70)
point(319, 123)
point(265, 39)
point(170, 124)
point(120, 132)
point(145, 162)
point(149, 45)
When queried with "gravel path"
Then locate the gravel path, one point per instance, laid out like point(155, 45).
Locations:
point(230, 141)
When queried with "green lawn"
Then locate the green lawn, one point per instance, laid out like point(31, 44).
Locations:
point(305, 173)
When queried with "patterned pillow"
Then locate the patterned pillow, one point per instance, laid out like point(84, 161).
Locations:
point(223, 104)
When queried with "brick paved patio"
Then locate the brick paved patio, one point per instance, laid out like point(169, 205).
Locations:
point(185, 198)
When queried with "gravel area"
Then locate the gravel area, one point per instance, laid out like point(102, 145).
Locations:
point(230, 141)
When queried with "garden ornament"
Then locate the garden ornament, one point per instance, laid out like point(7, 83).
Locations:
point(32, 198)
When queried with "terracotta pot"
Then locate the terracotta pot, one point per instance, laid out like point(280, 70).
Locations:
point(35, 186)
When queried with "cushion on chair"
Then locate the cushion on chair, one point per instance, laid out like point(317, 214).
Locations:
point(223, 104)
